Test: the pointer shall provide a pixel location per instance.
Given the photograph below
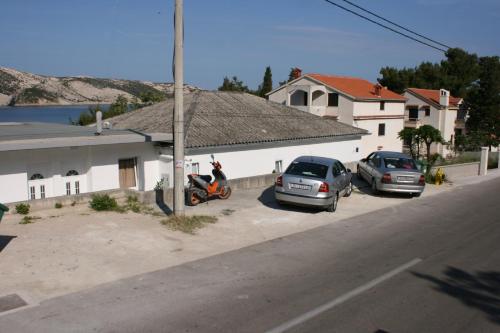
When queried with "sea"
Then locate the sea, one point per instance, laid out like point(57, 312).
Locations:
point(63, 114)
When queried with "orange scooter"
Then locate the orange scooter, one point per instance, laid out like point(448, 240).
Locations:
point(201, 188)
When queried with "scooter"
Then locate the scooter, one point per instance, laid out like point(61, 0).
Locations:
point(201, 188)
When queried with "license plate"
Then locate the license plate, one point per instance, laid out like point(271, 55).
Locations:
point(300, 186)
point(405, 179)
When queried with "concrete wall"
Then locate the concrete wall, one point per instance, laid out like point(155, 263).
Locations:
point(457, 171)
point(97, 168)
point(249, 163)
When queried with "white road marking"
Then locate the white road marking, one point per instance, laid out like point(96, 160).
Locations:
point(341, 299)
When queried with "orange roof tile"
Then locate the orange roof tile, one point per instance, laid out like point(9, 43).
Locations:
point(355, 87)
point(433, 96)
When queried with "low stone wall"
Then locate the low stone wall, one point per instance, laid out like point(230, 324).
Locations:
point(456, 171)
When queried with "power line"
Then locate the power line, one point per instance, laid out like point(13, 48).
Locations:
point(397, 25)
point(386, 27)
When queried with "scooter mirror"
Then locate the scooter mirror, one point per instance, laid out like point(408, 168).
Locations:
point(212, 156)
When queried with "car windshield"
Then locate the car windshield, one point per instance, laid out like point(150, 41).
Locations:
point(400, 163)
point(307, 169)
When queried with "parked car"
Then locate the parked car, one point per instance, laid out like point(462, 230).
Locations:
point(314, 181)
point(391, 172)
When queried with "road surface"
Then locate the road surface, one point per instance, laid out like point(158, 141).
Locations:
point(428, 265)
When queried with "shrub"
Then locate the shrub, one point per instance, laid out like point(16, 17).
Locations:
point(23, 209)
point(103, 202)
point(58, 205)
point(29, 219)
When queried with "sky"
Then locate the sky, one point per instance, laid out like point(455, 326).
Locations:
point(133, 39)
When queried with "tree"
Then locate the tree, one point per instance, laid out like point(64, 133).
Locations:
point(291, 76)
point(459, 71)
point(233, 85)
point(483, 102)
point(119, 106)
point(409, 136)
point(267, 83)
point(429, 135)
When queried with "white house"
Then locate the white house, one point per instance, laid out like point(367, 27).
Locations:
point(249, 135)
point(438, 109)
point(352, 101)
point(40, 160)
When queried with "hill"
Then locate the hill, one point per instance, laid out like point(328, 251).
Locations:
point(21, 88)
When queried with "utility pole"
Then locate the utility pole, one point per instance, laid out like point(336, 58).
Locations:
point(179, 111)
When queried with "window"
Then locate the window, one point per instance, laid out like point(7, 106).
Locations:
point(400, 163)
point(278, 166)
point(381, 129)
point(68, 188)
point(427, 112)
point(42, 191)
point(72, 173)
point(195, 168)
point(382, 106)
point(413, 114)
point(32, 192)
point(36, 176)
point(77, 187)
point(336, 169)
point(377, 162)
point(307, 169)
point(333, 99)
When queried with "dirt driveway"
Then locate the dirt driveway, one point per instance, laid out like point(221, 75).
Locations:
point(75, 248)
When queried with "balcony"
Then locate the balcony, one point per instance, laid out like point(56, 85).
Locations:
point(412, 122)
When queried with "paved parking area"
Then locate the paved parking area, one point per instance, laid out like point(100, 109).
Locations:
point(75, 248)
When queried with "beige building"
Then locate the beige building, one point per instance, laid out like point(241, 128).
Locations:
point(438, 109)
point(349, 100)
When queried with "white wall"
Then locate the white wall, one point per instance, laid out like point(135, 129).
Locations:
point(97, 167)
point(256, 162)
point(374, 142)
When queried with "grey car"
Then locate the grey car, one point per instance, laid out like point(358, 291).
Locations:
point(314, 181)
point(391, 172)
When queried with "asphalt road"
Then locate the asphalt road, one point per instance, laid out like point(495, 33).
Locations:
point(429, 265)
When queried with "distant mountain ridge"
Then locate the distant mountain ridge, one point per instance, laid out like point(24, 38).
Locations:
point(22, 88)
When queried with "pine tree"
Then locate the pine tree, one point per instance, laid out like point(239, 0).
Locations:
point(267, 83)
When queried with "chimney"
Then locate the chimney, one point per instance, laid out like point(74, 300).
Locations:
point(98, 118)
point(378, 89)
point(296, 73)
point(444, 98)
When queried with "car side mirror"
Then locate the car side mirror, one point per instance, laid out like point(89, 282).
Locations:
point(349, 170)
point(363, 160)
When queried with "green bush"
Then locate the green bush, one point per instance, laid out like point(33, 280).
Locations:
point(103, 202)
point(23, 208)
point(58, 205)
point(133, 204)
point(188, 224)
point(29, 219)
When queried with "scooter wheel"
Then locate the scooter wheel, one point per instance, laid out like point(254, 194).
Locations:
point(226, 193)
point(193, 199)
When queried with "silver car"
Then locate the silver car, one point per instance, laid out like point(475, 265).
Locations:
point(314, 181)
point(391, 172)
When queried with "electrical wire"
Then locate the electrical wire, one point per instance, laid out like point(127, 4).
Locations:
point(385, 26)
point(395, 24)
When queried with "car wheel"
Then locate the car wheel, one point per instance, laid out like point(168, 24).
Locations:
point(348, 191)
point(333, 207)
point(375, 190)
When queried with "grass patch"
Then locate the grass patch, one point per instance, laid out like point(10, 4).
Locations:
point(188, 224)
point(23, 209)
point(29, 219)
point(133, 204)
point(58, 205)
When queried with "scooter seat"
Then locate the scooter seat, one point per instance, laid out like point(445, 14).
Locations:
point(206, 178)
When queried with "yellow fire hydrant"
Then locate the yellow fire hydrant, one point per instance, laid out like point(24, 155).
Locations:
point(439, 177)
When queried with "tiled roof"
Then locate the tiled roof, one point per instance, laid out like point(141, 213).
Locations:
point(355, 87)
point(433, 96)
point(229, 118)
